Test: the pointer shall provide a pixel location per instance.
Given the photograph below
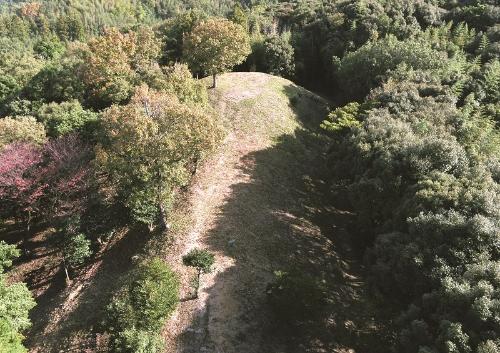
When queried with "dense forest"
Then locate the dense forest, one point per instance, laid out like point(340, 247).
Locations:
point(105, 120)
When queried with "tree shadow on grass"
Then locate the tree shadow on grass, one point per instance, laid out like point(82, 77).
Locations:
point(281, 218)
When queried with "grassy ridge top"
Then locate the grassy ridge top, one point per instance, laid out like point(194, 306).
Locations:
point(266, 105)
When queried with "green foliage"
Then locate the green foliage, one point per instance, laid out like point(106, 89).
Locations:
point(17, 66)
point(10, 340)
point(70, 27)
point(202, 260)
point(278, 56)
point(49, 47)
point(132, 340)
point(295, 297)
point(21, 129)
point(15, 303)
point(76, 249)
point(368, 66)
point(60, 80)
point(421, 177)
point(239, 16)
point(65, 117)
point(138, 311)
point(7, 254)
point(343, 118)
point(179, 81)
point(216, 45)
point(173, 31)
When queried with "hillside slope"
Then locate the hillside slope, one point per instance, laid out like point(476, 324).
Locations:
point(258, 205)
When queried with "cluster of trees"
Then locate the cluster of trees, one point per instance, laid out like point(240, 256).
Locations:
point(95, 116)
point(417, 150)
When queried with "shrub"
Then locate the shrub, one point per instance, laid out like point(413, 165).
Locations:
point(138, 341)
point(77, 249)
point(201, 259)
point(21, 129)
point(139, 309)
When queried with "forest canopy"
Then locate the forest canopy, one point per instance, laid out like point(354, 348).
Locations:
point(102, 107)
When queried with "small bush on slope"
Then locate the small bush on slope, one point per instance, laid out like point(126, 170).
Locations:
point(15, 304)
point(138, 311)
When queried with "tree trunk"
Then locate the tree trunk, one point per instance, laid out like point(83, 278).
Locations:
point(68, 280)
point(28, 225)
point(214, 81)
point(197, 285)
point(163, 216)
point(28, 228)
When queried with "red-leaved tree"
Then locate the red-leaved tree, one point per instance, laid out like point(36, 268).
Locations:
point(21, 185)
point(67, 171)
point(51, 181)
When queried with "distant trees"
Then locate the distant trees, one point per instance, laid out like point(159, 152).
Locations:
point(367, 67)
point(153, 144)
point(173, 31)
point(216, 45)
point(279, 56)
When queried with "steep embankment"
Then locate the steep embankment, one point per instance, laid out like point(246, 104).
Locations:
point(259, 206)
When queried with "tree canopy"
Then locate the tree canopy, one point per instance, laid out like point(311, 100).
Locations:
point(215, 46)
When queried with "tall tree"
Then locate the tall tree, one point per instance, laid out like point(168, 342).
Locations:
point(215, 46)
point(153, 144)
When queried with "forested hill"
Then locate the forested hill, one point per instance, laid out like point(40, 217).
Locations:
point(378, 201)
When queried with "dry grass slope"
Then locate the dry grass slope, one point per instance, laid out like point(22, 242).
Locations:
point(259, 206)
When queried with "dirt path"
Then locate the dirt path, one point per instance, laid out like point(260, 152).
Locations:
point(259, 206)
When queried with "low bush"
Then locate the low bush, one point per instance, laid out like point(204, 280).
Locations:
point(139, 309)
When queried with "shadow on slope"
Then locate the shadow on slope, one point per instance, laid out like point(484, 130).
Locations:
point(277, 220)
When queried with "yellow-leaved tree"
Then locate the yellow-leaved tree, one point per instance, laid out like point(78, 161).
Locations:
point(115, 63)
point(216, 45)
point(152, 147)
